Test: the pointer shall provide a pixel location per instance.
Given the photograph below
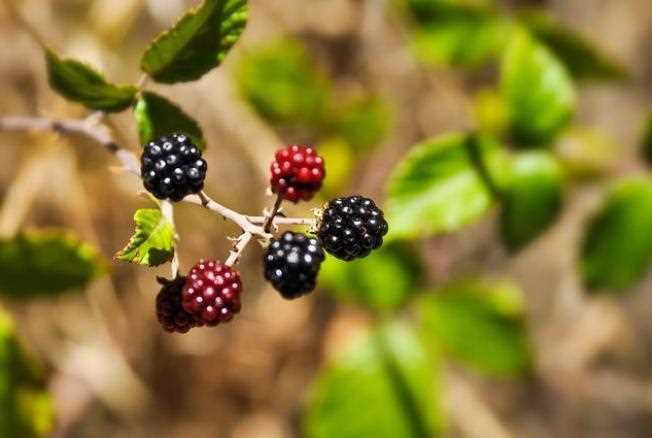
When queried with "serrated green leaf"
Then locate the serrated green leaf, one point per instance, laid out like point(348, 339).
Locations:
point(156, 116)
point(284, 86)
point(382, 282)
point(617, 247)
point(81, 83)
point(581, 58)
point(42, 263)
point(479, 323)
point(153, 241)
point(25, 408)
point(437, 188)
point(386, 386)
point(198, 43)
point(532, 199)
point(539, 92)
point(459, 35)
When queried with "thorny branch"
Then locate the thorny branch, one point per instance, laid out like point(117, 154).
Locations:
point(93, 129)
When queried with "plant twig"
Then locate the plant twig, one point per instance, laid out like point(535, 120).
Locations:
point(239, 248)
point(93, 129)
point(267, 225)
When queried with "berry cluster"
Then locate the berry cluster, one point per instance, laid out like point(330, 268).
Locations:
point(347, 228)
point(172, 167)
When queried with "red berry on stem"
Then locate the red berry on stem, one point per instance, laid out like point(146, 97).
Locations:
point(212, 292)
point(297, 173)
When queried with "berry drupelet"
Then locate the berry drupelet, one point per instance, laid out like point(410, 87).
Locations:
point(291, 264)
point(351, 227)
point(172, 167)
point(169, 311)
point(212, 292)
point(297, 173)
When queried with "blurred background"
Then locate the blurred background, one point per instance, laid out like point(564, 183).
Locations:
point(454, 332)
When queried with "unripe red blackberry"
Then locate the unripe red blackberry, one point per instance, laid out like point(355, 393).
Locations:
point(212, 292)
point(172, 167)
point(351, 227)
point(169, 311)
point(297, 173)
point(291, 264)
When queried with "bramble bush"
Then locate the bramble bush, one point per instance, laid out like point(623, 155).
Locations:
point(388, 384)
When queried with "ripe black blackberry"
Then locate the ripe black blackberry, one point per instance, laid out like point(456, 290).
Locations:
point(351, 227)
point(172, 167)
point(169, 311)
point(212, 292)
point(291, 263)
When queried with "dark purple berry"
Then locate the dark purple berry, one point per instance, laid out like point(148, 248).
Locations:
point(169, 311)
point(351, 227)
point(172, 167)
point(292, 262)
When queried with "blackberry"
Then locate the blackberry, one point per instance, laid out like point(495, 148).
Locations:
point(172, 167)
point(212, 292)
point(351, 227)
point(169, 311)
point(291, 264)
point(297, 173)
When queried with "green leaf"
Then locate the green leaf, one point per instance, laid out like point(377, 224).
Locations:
point(533, 198)
point(81, 83)
point(363, 122)
point(458, 34)
point(284, 86)
point(437, 188)
point(382, 282)
point(157, 116)
point(617, 247)
point(26, 410)
point(45, 263)
point(386, 386)
point(581, 58)
point(480, 323)
point(538, 90)
point(198, 43)
point(153, 241)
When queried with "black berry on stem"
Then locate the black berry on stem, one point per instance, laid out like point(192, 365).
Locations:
point(291, 264)
point(351, 227)
point(172, 167)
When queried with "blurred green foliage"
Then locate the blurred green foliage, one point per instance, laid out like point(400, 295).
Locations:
point(437, 187)
point(617, 247)
point(479, 322)
point(385, 385)
point(540, 94)
point(532, 199)
point(26, 410)
point(383, 282)
point(44, 263)
point(286, 87)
